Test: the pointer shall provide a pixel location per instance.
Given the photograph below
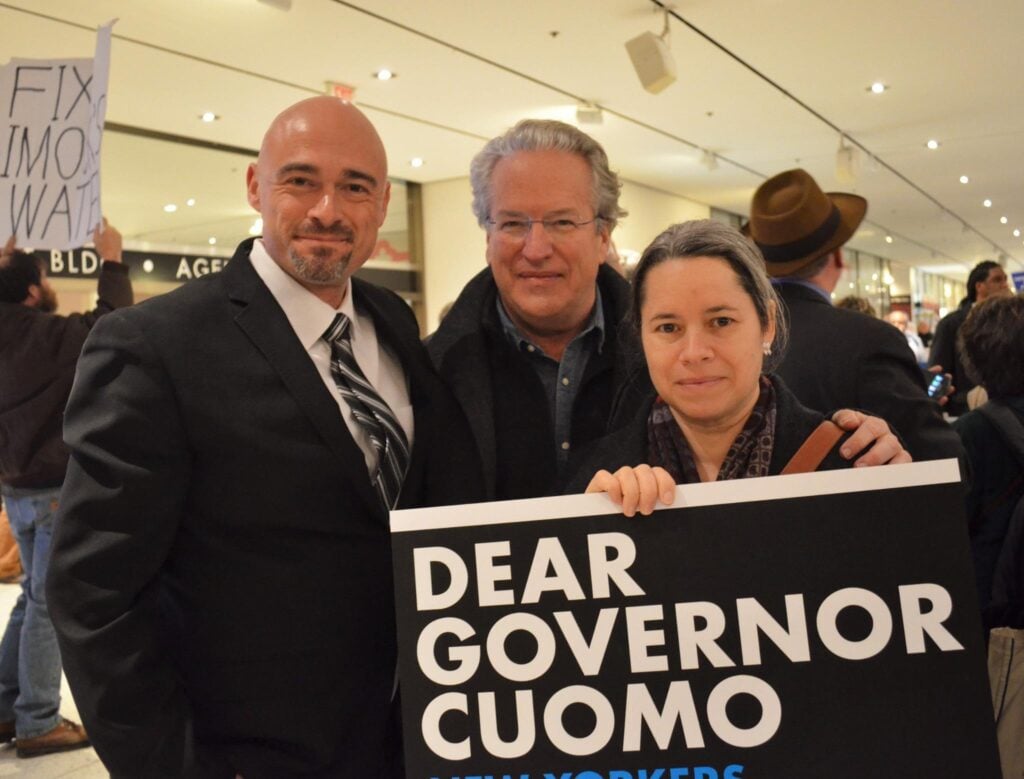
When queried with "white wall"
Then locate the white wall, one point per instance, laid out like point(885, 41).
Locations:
point(453, 243)
point(650, 212)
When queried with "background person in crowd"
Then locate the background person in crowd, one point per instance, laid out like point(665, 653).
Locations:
point(901, 321)
point(38, 353)
point(993, 349)
point(854, 303)
point(533, 348)
point(837, 358)
point(924, 332)
point(987, 279)
point(221, 574)
point(709, 322)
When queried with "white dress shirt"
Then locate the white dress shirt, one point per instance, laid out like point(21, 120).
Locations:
point(310, 317)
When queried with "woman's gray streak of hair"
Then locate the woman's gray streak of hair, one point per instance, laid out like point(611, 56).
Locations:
point(708, 238)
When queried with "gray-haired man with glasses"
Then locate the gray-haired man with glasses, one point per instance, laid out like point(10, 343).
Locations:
point(534, 347)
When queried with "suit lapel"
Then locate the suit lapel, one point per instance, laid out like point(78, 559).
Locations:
point(265, 324)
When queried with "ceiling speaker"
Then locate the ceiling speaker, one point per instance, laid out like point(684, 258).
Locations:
point(652, 61)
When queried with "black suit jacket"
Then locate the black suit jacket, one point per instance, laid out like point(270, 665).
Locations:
point(844, 359)
point(221, 574)
point(946, 352)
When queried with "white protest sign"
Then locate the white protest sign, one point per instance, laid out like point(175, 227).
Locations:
point(52, 127)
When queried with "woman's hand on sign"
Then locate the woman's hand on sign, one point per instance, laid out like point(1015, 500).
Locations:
point(636, 488)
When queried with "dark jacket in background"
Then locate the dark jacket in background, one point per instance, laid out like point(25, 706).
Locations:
point(38, 353)
point(628, 445)
point(503, 398)
point(221, 579)
point(844, 359)
point(945, 352)
point(996, 487)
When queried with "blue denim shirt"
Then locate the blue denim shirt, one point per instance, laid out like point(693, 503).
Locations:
point(803, 283)
point(561, 380)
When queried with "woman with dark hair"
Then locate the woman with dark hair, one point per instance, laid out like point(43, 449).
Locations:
point(712, 329)
point(992, 343)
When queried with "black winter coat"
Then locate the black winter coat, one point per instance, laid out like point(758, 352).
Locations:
point(844, 359)
point(503, 398)
point(38, 354)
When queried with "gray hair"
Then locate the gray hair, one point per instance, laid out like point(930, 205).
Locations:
point(546, 135)
point(708, 238)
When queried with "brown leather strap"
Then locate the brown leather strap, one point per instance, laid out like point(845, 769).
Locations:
point(812, 451)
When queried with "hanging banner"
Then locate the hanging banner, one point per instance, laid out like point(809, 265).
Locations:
point(806, 626)
point(50, 137)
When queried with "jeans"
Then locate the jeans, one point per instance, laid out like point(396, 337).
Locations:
point(29, 656)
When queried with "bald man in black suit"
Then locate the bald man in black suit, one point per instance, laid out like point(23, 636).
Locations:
point(221, 576)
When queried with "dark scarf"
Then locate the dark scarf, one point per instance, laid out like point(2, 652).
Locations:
point(748, 456)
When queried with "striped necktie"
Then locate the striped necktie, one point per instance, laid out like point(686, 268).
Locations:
point(370, 411)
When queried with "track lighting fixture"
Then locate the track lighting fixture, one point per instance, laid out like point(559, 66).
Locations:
point(708, 159)
point(588, 113)
point(847, 162)
point(652, 59)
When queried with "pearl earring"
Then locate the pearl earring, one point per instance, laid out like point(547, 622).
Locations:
point(766, 347)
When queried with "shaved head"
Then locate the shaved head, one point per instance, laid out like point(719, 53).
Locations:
point(320, 184)
point(322, 111)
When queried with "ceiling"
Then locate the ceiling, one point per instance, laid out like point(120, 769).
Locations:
point(765, 85)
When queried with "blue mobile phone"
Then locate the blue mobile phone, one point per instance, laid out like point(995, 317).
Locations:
point(938, 386)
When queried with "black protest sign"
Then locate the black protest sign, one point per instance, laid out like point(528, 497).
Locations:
point(50, 132)
point(821, 625)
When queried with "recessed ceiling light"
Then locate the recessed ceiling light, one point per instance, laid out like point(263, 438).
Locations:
point(888, 239)
point(147, 265)
point(1003, 220)
point(878, 87)
point(170, 208)
point(964, 179)
point(190, 202)
point(1016, 233)
point(209, 116)
point(933, 144)
point(384, 75)
point(987, 203)
point(211, 240)
point(416, 162)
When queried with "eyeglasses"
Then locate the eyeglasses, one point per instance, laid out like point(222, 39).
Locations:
point(519, 227)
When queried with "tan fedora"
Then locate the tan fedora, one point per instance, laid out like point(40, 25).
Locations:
point(794, 223)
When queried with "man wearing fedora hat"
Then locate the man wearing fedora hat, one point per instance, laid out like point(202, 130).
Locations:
point(837, 358)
